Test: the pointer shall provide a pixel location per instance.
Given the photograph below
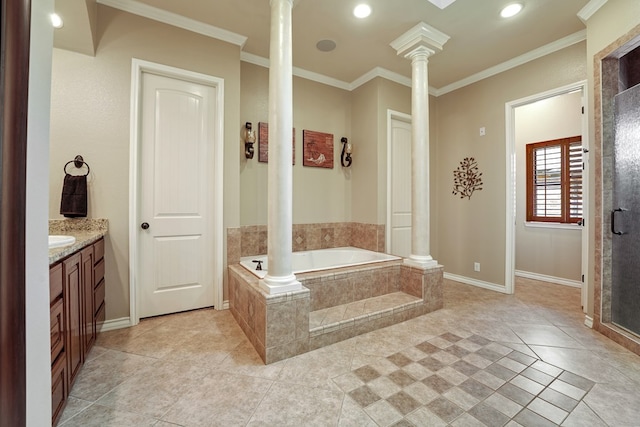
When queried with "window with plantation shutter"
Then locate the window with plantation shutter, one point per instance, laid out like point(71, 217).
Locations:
point(554, 180)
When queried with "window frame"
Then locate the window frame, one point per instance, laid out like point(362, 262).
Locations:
point(565, 181)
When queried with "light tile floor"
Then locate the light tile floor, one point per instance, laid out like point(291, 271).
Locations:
point(485, 359)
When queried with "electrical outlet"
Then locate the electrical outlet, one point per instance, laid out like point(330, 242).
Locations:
point(483, 131)
point(476, 266)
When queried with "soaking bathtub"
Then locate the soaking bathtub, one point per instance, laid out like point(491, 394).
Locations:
point(320, 259)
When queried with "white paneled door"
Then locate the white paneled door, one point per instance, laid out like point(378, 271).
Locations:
point(400, 187)
point(176, 183)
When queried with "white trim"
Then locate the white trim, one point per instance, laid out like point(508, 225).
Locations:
point(385, 74)
point(553, 225)
point(442, 4)
point(113, 324)
point(421, 34)
point(588, 321)
point(548, 279)
point(589, 9)
point(156, 14)
point(137, 68)
point(547, 49)
point(225, 305)
point(511, 175)
point(298, 72)
point(391, 115)
point(475, 282)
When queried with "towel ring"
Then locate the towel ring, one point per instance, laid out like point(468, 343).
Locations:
point(78, 162)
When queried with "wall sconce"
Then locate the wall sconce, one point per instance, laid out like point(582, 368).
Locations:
point(346, 149)
point(249, 140)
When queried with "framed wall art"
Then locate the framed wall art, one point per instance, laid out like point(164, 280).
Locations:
point(317, 149)
point(263, 143)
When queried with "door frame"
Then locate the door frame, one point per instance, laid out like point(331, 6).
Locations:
point(511, 179)
point(391, 115)
point(138, 67)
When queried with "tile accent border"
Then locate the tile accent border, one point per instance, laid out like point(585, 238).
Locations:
point(252, 239)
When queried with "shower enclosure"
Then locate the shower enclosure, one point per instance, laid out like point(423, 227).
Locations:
point(625, 216)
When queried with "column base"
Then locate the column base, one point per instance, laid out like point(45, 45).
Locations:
point(279, 284)
point(421, 261)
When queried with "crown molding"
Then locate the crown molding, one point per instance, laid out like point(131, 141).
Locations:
point(380, 72)
point(589, 9)
point(547, 49)
point(298, 72)
point(420, 35)
point(150, 12)
point(442, 3)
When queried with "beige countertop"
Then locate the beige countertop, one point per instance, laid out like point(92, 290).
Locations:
point(86, 232)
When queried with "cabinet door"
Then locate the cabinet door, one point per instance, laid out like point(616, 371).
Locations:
point(89, 330)
point(74, 314)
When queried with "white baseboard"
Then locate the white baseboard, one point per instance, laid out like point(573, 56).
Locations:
point(110, 325)
point(588, 321)
point(225, 305)
point(549, 279)
point(476, 282)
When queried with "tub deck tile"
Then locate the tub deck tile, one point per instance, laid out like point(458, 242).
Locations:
point(370, 308)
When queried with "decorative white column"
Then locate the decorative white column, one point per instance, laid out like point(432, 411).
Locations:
point(279, 277)
point(418, 44)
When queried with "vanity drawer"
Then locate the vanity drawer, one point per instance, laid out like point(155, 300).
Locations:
point(98, 249)
point(98, 271)
point(59, 386)
point(57, 329)
point(100, 316)
point(55, 283)
point(98, 295)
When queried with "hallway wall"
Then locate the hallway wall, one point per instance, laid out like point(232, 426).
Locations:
point(474, 230)
point(90, 115)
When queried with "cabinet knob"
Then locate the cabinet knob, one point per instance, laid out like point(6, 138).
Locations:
point(144, 225)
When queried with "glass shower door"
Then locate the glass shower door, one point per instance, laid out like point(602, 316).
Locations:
point(625, 217)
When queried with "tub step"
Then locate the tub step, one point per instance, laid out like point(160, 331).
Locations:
point(341, 322)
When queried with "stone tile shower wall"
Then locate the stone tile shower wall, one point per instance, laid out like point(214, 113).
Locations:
point(252, 239)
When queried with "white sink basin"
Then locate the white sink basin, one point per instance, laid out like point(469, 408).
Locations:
point(59, 241)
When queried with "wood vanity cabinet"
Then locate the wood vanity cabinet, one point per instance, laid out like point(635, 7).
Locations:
point(77, 312)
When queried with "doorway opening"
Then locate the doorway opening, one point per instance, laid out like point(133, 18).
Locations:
point(554, 252)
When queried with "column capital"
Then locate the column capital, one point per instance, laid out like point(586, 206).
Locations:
point(422, 38)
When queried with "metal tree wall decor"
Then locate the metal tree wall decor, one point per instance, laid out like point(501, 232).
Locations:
point(467, 179)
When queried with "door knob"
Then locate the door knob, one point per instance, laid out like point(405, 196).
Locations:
point(144, 225)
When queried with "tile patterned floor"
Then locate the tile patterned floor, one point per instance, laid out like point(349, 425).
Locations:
point(486, 359)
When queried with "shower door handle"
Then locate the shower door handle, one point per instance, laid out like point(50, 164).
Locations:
point(613, 221)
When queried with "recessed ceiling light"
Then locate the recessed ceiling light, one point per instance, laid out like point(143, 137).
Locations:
point(511, 10)
point(362, 11)
point(326, 45)
point(56, 20)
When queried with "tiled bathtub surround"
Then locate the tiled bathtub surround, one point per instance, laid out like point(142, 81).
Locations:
point(365, 297)
point(252, 239)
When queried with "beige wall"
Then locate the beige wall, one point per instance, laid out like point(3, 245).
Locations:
point(371, 102)
point(552, 252)
point(364, 172)
point(610, 22)
point(474, 230)
point(90, 116)
point(319, 194)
